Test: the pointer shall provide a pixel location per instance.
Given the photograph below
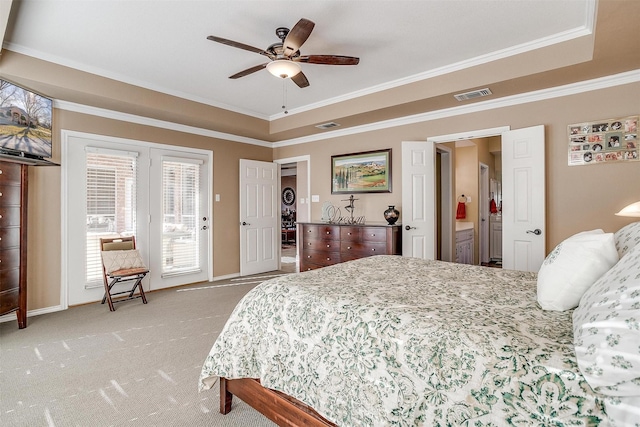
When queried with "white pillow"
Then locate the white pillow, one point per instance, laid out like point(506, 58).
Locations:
point(572, 267)
point(122, 260)
point(606, 330)
point(627, 237)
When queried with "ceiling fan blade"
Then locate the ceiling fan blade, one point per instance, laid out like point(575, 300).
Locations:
point(240, 46)
point(297, 36)
point(300, 79)
point(248, 71)
point(328, 59)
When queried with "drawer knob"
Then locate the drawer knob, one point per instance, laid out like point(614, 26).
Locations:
point(373, 235)
point(328, 232)
point(348, 247)
point(328, 246)
point(309, 243)
point(308, 256)
point(0, 194)
point(373, 249)
point(349, 233)
point(328, 259)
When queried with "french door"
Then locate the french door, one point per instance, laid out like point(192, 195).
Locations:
point(159, 194)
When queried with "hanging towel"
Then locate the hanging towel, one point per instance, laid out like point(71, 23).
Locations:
point(492, 206)
point(461, 213)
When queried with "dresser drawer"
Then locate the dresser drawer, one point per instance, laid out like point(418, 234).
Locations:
point(373, 234)
point(325, 232)
point(10, 173)
point(9, 279)
point(9, 237)
point(9, 217)
point(321, 245)
point(320, 258)
point(354, 250)
point(349, 234)
point(10, 195)
point(9, 258)
point(304, 266)
point(9, 301)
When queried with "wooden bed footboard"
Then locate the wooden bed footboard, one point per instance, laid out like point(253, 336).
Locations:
point(278, 407)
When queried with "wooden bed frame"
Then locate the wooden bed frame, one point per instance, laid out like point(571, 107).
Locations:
point(278, 407)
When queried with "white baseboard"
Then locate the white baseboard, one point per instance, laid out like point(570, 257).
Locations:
point(12, 316)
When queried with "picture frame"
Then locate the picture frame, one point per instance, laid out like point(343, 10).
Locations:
point(363, 172)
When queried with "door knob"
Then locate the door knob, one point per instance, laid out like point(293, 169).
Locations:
point(407, 227)
point(245, 223)
point(537, 231)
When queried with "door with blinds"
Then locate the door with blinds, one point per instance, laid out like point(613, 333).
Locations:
point(114, 188)
point(179, 221)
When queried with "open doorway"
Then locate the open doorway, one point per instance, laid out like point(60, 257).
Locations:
point(289, 215)
point(295, 177)
point(468, 220)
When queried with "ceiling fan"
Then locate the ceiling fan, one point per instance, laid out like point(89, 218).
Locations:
point(285, 55)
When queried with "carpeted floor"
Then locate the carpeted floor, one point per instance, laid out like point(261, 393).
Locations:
point(136, 366)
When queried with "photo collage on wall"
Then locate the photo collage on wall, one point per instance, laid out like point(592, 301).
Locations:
point(604, 141)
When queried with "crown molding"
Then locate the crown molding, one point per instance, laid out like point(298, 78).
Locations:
point(540, 95)
point(132, 118)
point(562, 37)
point(507, 101)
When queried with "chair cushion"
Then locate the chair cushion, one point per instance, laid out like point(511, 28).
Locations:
point(122, 260)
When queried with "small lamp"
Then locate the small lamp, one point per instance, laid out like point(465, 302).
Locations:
point(632, 210)
point(283, 68)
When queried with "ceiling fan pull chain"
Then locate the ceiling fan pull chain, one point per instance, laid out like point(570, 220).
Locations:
point(284, 97)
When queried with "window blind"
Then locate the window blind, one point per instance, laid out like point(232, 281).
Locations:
point(111, 204)
point(180, 207)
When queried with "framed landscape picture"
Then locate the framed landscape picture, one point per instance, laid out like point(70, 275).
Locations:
point(365, 172)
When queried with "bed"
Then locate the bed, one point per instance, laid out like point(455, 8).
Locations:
point(391, 340)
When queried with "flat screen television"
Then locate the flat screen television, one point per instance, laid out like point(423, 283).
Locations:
point(25, 122)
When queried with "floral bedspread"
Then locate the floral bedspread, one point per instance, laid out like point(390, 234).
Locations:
point(394, 341)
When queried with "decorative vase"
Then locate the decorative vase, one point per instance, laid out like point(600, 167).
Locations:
point(391, 215)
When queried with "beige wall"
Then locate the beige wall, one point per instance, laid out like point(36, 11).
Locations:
point(577, 198)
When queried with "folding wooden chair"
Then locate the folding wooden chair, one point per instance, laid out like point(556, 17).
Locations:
point(121, 262)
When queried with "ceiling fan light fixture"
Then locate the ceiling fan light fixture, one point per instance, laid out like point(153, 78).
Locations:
point(283, 68)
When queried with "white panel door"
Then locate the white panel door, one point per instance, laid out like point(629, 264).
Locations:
point(259, 217)
point(523, 207)
point(105, 197)
point(180, 229)
point(418, 196)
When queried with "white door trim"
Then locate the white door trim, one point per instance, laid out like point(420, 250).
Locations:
point(483, 214)
point(305, 158)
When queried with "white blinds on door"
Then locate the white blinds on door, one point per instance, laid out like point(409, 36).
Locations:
point(111, 203)
point(180, 207)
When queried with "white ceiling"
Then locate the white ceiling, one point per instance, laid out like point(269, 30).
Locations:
point(162, 45)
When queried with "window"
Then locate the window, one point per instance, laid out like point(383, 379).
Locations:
point(111, 201)
point(180, 205)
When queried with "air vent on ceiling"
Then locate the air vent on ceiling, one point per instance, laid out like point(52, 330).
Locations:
point(328, 125)
point(473, 94)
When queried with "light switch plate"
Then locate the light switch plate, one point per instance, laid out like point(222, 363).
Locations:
point(315, 198)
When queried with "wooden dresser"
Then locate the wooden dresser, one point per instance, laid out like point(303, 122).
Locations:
point(323, 244)
point(13, 238)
